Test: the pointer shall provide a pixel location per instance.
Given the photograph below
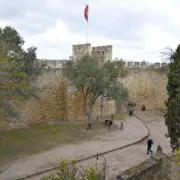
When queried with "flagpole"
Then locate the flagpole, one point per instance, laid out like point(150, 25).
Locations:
point(87, 32)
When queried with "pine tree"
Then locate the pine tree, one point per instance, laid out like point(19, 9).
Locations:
point(16, 67)
point(172, 117)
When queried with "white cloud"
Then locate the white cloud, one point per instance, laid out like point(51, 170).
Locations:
point(4, 23)
point(55, 42)
point(137, 29)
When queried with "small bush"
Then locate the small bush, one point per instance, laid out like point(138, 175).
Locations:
point(69, 171)
point(91, 174)
point(178, 156)
point(65, 172)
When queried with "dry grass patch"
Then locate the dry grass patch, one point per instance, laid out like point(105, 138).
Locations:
point(120, 116)
point(19, 143)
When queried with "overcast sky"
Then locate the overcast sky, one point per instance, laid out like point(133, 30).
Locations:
point(137, 29)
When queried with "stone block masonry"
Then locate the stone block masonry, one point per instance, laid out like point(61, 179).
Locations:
point(146, 86)
point(102, 53)
point(80, 50)
point(59, 101)
point(155, 168)
point(147, 170)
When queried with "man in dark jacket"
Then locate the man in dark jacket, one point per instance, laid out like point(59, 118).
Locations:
point(149, 146)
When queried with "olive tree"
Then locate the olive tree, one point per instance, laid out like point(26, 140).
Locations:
point(94, 80)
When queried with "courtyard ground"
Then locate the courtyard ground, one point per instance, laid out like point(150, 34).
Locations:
point(19, 143)
point(128, 157)
point(116, 161)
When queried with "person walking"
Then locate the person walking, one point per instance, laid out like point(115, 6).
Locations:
point(149, 146)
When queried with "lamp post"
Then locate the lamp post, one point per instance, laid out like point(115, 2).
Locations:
point(104, 165)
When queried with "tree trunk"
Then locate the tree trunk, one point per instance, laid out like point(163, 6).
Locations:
point(88, 112)
point(89, 119)
point(102, 108)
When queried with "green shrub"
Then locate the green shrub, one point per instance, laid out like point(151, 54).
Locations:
point(178, 156)
point(91, 174)
point(65, 172)
point(69, 171)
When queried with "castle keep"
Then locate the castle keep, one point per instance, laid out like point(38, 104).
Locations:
point(80, 50)
point(145, 82)
point(102, 53)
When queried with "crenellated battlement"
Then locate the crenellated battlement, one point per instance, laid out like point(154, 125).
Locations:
point(57, 64)
point(145, 65)
point(51, 63)
point(102, 53)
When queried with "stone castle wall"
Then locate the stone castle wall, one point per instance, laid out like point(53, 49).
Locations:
point(60, 101)
point(162, 167)
point(103, 53)
point(147, 86)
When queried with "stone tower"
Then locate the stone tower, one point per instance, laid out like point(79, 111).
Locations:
point(80, 50)
point(103, 53)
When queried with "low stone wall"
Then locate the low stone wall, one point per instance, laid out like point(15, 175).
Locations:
point(161, 167)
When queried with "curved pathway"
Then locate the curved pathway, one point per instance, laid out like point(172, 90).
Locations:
point(134, 131)
point(126, 158)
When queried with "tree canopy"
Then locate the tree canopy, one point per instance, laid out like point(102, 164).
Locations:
point(172, 116)
point(30, 64)
point(11, 45)
point(11, 42)
point(16, 66)
point(94, 79)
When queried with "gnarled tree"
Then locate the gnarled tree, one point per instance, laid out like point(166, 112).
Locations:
point(93, 80)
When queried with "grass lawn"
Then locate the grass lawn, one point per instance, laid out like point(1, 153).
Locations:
point(19, 143)
point(120, 116)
